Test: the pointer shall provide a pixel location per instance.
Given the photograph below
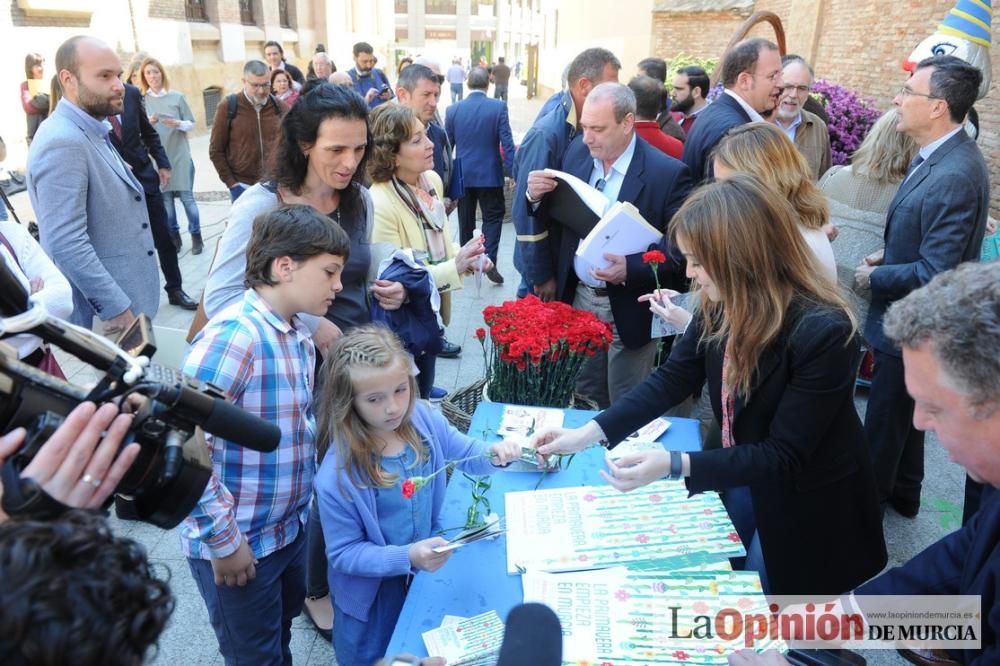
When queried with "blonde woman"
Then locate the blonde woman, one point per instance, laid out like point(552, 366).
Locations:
point(171, 116)
point(410, 212)
point(765, 151)
point(778, 347)
point(859, 195)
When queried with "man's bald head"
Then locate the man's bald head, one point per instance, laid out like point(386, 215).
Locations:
point(429, 64)
point(340, 79)
point(68, 55)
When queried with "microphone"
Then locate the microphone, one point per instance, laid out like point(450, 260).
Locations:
point(533, 636)
point(219, 417)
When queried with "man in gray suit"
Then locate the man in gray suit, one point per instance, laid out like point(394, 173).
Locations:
point(91, 209)
point(935, 222)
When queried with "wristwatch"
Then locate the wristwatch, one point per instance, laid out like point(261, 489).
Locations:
point(676, 466)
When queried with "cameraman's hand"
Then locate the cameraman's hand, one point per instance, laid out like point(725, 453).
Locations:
point(77, 466)
point(236, 569)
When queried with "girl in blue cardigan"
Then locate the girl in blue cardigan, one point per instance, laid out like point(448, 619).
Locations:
point(378, 517)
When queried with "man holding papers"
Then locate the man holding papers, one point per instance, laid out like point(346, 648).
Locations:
point(610, 159)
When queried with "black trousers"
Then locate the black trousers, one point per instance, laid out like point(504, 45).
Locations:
point(491, 201)
point(165, 250)
point(897, 446)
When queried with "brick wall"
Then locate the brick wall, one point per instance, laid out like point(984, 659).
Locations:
point(860, 45)
point(167, 9)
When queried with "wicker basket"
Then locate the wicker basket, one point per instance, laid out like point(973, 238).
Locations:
point(461, 404)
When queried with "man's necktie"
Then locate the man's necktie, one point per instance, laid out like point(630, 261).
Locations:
point(917, 161)
point(116, 126)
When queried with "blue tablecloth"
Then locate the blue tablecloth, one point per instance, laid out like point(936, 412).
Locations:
point(475, 579)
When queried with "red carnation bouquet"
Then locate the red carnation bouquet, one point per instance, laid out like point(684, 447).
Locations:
point(537, 349)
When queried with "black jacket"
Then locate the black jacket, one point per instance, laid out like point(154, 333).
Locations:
point(657, 185)
point(799, 446)
point(140, 141)
point(713, 123)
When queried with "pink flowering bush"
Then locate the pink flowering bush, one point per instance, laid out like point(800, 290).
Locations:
point(850, 118)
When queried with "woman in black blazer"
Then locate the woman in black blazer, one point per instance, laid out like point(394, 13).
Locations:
point(778, 347)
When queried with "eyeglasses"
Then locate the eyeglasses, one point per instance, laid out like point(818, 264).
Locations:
point(907, 91)
point(796, 89)
point(260, 86)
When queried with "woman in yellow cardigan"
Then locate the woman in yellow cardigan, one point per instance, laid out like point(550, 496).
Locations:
point(409, 212)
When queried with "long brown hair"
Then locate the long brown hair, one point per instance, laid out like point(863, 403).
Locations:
point(747, 239)
point(364, 348)
point(765, 151)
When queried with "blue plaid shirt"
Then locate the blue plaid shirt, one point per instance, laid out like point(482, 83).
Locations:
point(265, 365)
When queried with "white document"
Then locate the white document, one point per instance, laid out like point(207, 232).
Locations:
point(468, 641)
point(622, 231)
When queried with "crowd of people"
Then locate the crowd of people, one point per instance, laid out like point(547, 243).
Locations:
point(326, 303)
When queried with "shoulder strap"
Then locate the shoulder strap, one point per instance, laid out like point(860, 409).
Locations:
point(10, 248)
point(231, 101)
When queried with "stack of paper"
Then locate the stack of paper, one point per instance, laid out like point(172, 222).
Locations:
point(622, 231)
point(490, 528)
point(652, 617)
point(474, 641)
point(520, 424)
point(595, 527)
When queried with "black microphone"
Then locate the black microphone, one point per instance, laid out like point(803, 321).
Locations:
point(533, 636)
point(219, 417)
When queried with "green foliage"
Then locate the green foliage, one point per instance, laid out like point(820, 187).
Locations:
point(683, 60)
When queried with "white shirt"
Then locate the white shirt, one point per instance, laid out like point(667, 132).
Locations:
point(32, 262)
point(793, 128)
point(754, 116)
point(613, 180)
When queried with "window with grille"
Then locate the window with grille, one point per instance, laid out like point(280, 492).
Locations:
point(246, 12)
point(283, 16)
point(195, 10)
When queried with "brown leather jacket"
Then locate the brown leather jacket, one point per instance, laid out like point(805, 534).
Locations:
point(241, 149)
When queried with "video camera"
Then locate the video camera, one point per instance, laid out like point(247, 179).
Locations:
point(173, 465)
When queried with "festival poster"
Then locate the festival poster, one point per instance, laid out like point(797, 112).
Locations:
point(595, 527)
point(616, 616)
point(468, 641)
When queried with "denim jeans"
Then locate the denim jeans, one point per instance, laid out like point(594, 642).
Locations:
point(190, 210)
point(254, 623)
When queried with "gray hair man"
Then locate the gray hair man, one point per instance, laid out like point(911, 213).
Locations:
point(806, 130)
point(622, 167)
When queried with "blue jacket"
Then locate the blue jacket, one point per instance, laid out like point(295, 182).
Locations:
point(415, 322)
point(713, 123)
point(542, 148)
point(477, 126)
point(935, 222)
point(966, 561)
point(356, 552)
point(657, 185)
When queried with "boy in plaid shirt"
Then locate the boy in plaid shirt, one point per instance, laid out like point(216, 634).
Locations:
point(245, 539)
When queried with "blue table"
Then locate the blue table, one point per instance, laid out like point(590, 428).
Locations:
point(475, 579)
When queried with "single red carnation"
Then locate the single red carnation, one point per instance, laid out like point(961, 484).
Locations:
point(654, 257)
point(481, 333)
point(408, 489)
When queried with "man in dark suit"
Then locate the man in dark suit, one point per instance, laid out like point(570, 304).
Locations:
point(951, 372)
point(478, 126)
point(135, 140)
point(751, 75)
point(543, 147)
point(623, 167)
point(936, 221)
